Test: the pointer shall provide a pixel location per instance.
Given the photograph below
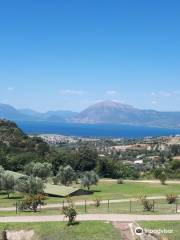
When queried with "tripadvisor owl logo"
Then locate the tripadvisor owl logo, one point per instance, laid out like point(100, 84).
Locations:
point(139, 231)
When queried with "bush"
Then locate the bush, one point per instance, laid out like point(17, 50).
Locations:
point(97, 202)
point(171, 198)
point(31, 202)
point(70, 212)
point(163, 178)
point(120, 181)
point(147, 204)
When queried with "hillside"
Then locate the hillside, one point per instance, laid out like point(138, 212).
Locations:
point(9, 133)
point(16, 148)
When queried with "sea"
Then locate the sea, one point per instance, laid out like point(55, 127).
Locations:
point(95, 130)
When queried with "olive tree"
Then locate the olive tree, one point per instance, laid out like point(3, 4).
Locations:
point(30, 185)
point(1, 175)
point(7, 183)
point(89, 179)
point(66, 175)
point(41, 170)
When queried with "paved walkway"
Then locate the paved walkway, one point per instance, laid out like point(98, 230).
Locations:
point(93, 217)
point(81, 203)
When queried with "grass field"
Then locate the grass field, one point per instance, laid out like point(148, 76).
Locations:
point(60, 231)
point(155, 225)
point(109, 190)
point(135, 207)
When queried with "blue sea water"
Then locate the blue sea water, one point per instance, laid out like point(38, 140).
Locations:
point(94, 130)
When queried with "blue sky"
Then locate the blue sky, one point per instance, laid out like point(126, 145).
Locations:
point(67, 54)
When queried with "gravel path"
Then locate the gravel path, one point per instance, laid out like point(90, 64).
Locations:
point(94, 217)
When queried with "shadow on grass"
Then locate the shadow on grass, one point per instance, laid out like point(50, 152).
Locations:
point(73, 224)
point(13, 197)
point(95, 191)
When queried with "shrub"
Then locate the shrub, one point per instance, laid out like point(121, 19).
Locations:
point(32, 202)
point(147, 204)
point(120, 181)
point(171, 198)
point(163, 178)
point(97, 202)
point(70, 212)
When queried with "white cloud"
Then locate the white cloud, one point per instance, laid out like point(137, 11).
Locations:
point(165, 93)
point(72, 92)
point(111, 92)
point(10, 88)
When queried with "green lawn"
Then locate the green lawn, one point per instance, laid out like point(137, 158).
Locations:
point(111, 190)
point(155, 225)
point(161, 207)
point(60, 231)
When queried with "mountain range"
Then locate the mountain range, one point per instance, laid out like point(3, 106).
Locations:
point(109, 112)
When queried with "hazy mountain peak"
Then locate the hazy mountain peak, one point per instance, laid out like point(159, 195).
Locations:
point(111, 112)
point(112, 104)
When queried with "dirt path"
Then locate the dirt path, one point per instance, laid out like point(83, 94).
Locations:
point(142, 181)
point(94, 217)
point(124, 229)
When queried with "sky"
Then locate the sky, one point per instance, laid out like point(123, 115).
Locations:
point(69, 54)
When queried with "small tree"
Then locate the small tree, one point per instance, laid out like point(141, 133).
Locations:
point(1, 177)
point(70, 212)
point(157, 172)
point(120, 181)
point(7, 183)
point(66, 175)
point(147, 204)
point(97, 202)
point(163, 178)
point(171, 198)
point(89, 179)
point(32, 202)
